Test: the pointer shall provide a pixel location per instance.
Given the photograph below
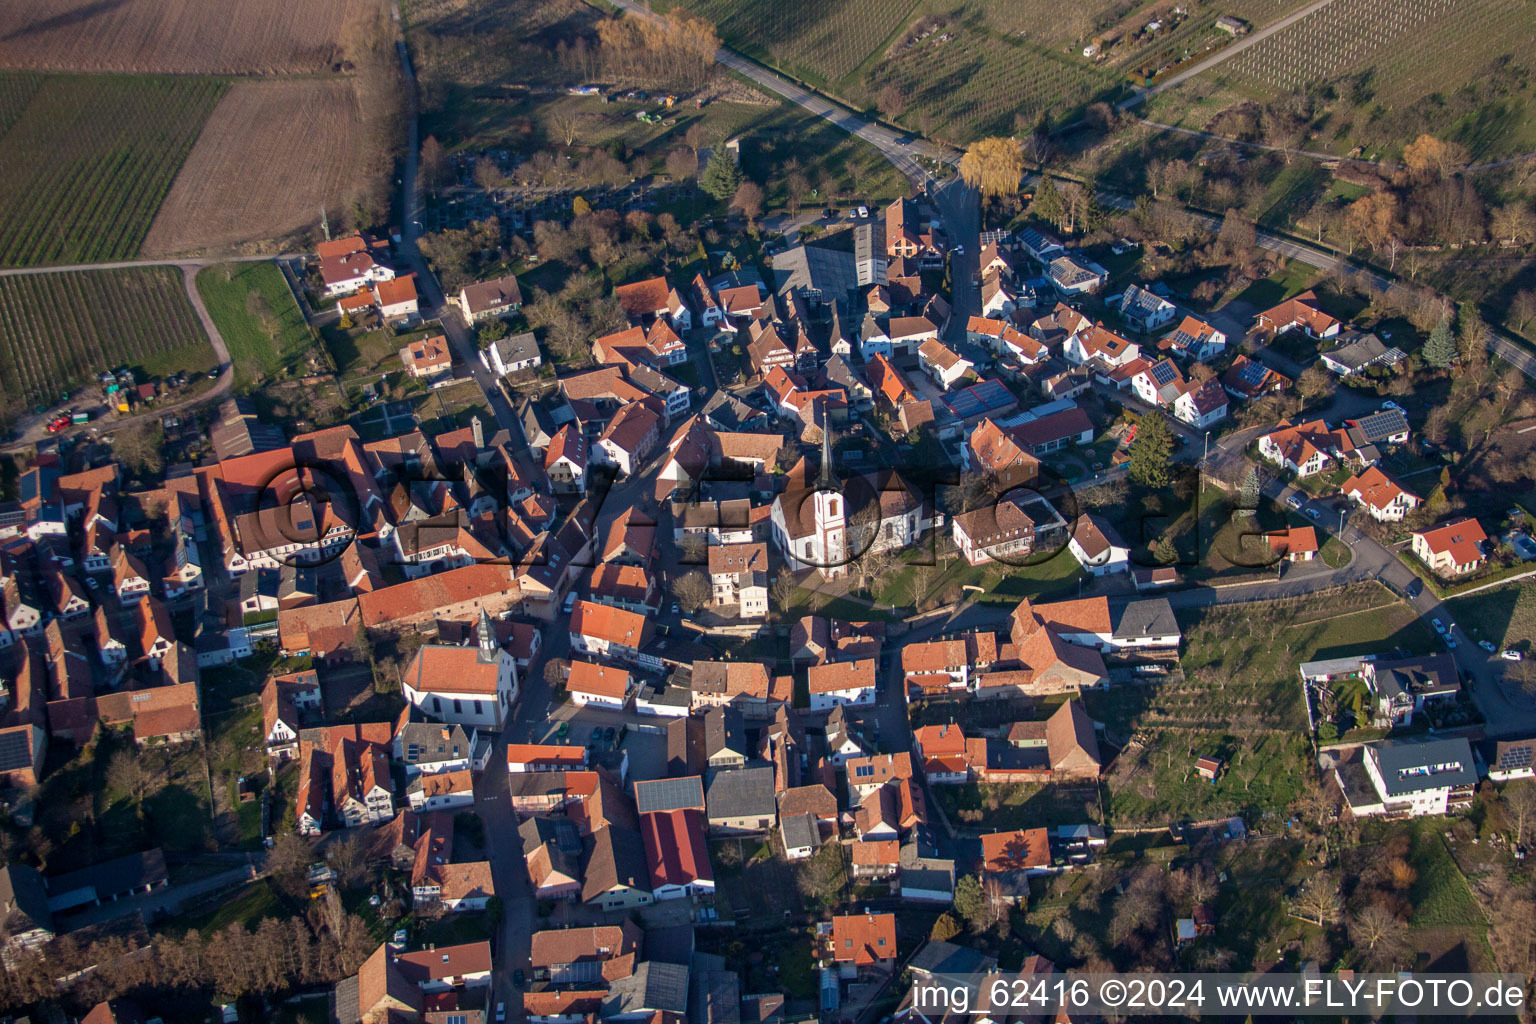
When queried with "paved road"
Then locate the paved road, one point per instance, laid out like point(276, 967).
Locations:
point(1226, 53)
point(900, 149)
point(460, 336)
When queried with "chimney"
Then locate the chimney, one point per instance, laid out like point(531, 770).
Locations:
point(477, 430)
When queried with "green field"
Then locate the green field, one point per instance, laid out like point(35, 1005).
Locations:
point(256, 313)
point(1459, 71)
point(87, 160)
point(1504, 615)
point(58, 330)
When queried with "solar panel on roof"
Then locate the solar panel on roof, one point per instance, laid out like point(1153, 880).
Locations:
point(1182, 338)
point(1164, 373)
point(1253, 373)
point(1516, 757)
point(15, 752)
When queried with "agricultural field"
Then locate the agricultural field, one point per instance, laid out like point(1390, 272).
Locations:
point(57, 330)
point(821, 41)
point(1456, 68)
point(261, 323)
point(184, 36)
point(272, 154)
point(88, 159)
point(1240, 700)
point(977, 83)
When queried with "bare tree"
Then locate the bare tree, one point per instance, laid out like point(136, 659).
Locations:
point(691, 590)
point(1318, 901)
point(565, 126)
point(1520, 805)
point(127, 772)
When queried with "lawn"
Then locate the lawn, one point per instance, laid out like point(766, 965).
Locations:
point(359, 352)
point(1440, 894)
point(57, 331)
point(450, 408)
point(256, 313)
point(87, 160)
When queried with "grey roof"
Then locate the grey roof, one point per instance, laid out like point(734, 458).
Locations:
point(938, 957)
point(653, 986)
point(716, 998)
point(1379, 426)
point(1412, 767)
point(1361, 351)
point(870, 328)
point(919, 871)
point(15, 750)
point(561, 831)
point(742, 793)
point(23, 893)
point(800, 831)
point(724, 731)
point(115, 877)
point(1066, 271)
point(516, 347)
point(1138, 301)
point(838, 371)
point(428, 742)
point(1148, 616)
point(1332, 666)
point(831, 274)
point(654, 381)
point(1421, 676)
point(669, 794)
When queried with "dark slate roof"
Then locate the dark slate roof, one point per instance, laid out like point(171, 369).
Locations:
point(832, 273)
point(516, 347)
point(653, 986)
point(1150, 616)
point(1412, 767)
point(669, 794)
point(15, 750)
point(23, 892)
point(1379, 426)
point(936, 957)
point(742, 793)
point(801, 830)
point(115, 877)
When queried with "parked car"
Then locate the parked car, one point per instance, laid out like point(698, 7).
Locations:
point(1294, 501)
point(597, 735)
point(1485, 645)
point(828, 214)
point(675, 608)
point(1389, 404)
point(863, 212)
point(501, 1013)
point(1439, 626)
point(517, 977)
point(563, 728)
point(570, 602)
point(1416, 587)
point(1511, 656)
point(609, 734)
point(1450, 642)
point(1313, 513)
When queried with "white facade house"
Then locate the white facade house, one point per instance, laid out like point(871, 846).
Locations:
point(842, 682)
point(1411, 779)
point(1098, 547)
point(511, 354)
point(468, 686)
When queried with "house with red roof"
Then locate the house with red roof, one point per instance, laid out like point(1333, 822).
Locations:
point(1453, 549)
point(654, 298)
point(861, 942)
point(396, 299)
point(606, 631)
point(1305, 449)
point(598, 685)
point(566, 459)
point(628, 439)
point(676, 854)
point(353, 263)
point(1294, 544)
point(1299, 313)
point(427, 357)
point(469, 686)
point(1380, 495)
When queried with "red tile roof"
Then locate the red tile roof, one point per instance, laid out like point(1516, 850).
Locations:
point(675, 848)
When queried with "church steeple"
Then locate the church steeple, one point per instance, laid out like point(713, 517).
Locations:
point(487, 638)
point(826, 478)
